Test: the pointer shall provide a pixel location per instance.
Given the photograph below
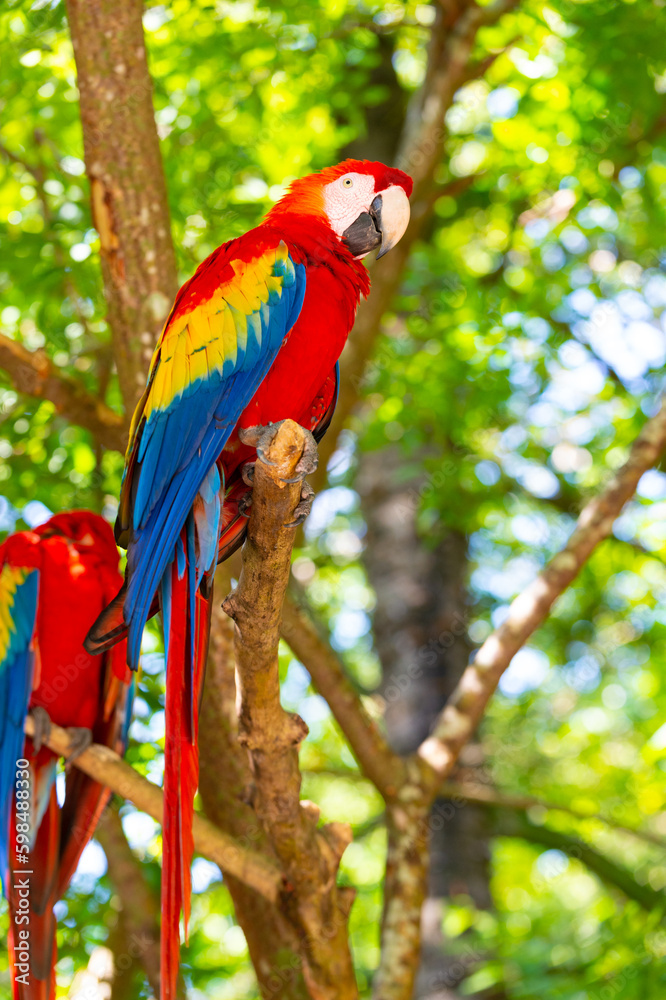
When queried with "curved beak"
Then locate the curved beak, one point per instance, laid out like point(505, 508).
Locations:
point(381, 226)
point(392, 217)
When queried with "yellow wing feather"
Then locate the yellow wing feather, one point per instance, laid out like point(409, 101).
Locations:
point(11, 579)
point(196, 343)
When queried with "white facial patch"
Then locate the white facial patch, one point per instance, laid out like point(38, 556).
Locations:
point(346, 198)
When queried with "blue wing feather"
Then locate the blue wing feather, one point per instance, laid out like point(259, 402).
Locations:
point(180, 444)
point(16, 677)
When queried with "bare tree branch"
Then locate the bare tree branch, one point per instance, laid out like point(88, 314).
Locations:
point(33, 373)
point(310, 857)
point(461, 715)
point(451, 45)
point(106, 767)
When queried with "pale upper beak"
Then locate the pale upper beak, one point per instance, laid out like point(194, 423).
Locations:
point(393, 217)
point(381, 226)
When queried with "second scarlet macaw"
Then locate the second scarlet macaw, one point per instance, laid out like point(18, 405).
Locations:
point(253, 338)
point(53, 582)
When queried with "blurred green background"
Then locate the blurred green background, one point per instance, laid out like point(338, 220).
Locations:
point(524, 350)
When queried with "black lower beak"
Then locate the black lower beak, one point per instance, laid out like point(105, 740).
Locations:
point(365, 234)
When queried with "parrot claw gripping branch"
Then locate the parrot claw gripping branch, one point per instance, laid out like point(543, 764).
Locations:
point(53, 581)
point(253, 339)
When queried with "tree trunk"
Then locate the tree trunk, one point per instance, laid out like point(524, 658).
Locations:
point(420, 635)
point(128, 190)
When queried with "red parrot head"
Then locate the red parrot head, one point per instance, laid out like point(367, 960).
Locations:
point(83, 530)
point(365, 203)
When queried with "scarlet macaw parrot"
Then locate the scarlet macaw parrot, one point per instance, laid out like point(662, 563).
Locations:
point(253, 338)
point(53, 582)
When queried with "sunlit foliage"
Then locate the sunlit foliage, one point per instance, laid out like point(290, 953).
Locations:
point(522, 353)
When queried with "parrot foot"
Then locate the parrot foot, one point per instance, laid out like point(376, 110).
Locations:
point(303, 508)
point(260, 438)
point(79, 740)
point(42, 723)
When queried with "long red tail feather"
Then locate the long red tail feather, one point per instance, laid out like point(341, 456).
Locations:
point(181, 767)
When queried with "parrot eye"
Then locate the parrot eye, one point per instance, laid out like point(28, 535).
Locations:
point(347, 182)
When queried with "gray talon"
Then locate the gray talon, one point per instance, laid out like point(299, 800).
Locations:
point(303, 508)
point(261, 454)
point(258, 437)
point(244, 504)
point(42, 723)
point(247, 473)
point(79, 740)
